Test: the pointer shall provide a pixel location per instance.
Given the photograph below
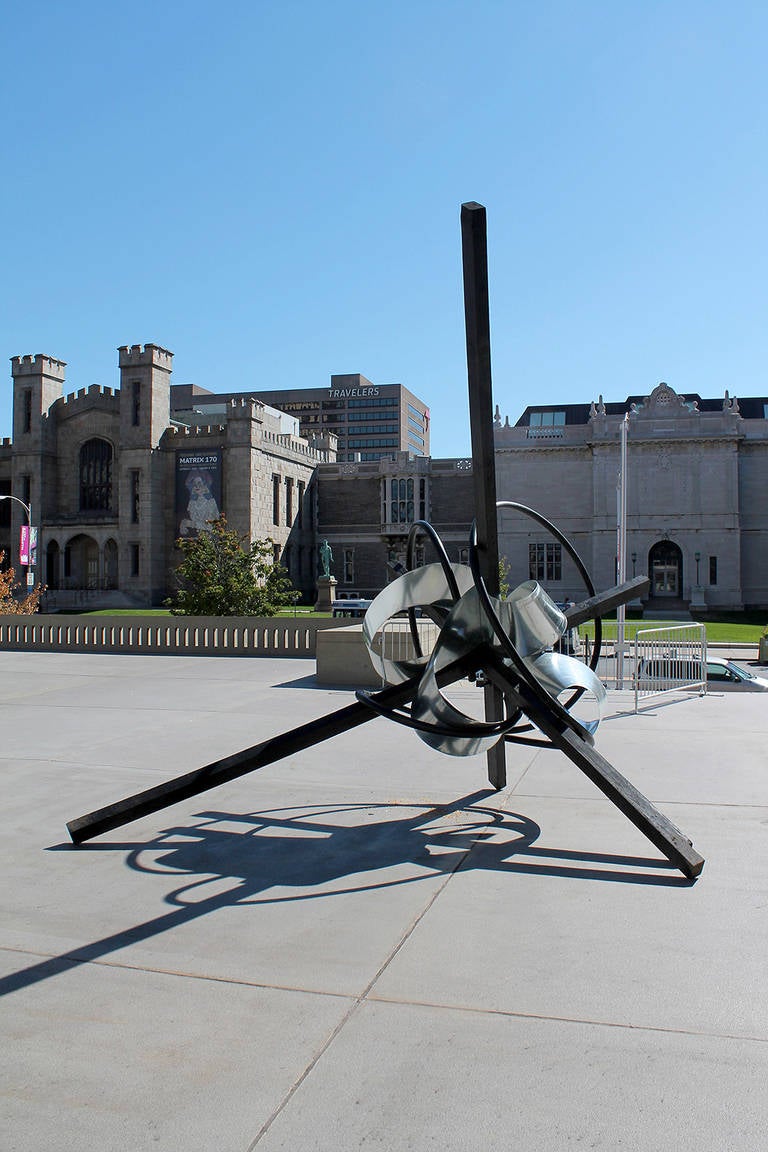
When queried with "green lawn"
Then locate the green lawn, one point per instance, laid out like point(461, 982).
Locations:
point(739, 628)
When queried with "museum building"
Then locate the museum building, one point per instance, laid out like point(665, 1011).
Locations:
point(697, 506)
point(114, 479)
point(696, 486)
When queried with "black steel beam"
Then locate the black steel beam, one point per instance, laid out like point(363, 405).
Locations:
point(653, 824)
point(605, 602)
point(477, 322)
point(249, 760)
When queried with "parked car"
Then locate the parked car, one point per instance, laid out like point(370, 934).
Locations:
point(721, 674)
point(354, 608)
point(729, 675)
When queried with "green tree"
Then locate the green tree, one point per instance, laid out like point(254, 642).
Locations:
point(221, 574)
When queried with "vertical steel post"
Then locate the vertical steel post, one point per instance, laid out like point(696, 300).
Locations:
point(621, 550)
point(478, 329)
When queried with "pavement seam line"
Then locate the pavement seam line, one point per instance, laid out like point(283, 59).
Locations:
point(236, 981)
point(359, 1000)
point(545, 1018)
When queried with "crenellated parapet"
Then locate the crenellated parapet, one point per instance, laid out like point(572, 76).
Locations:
point(242, 408)
point(144, 355)
point(84, 397)
point(39, 365)
point(194, 431)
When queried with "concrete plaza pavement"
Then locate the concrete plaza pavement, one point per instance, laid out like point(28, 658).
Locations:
point(363, 946)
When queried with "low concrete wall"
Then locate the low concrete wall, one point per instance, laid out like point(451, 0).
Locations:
point(342, 658)
point(342, 655)
point(172, 635)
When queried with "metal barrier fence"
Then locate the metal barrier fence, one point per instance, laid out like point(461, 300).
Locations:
point(651, 661)
point(666, 659)
point(175, 635)
point(395, 641)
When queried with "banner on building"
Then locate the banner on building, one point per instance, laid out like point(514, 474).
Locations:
point(198, 492)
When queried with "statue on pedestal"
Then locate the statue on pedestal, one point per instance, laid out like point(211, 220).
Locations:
point(326, 558)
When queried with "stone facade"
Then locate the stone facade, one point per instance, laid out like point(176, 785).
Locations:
point(365, 510)
point(696, 481)
point(100, 470)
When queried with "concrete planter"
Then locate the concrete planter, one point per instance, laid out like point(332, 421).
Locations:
point(762, 650)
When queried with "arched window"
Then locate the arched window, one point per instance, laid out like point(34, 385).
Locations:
point(405, 499)
point(96, 476)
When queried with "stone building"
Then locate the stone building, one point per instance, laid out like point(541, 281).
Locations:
point(697, 513)
point(113, 480)
point(696, 482)
point(365, 511)
point(114, 477)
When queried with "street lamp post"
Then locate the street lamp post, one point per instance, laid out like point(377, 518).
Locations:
point(621, 547)
point(634, 561)
point(28, 509)
point(697, 558)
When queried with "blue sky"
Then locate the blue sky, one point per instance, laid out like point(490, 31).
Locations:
point(272, 191)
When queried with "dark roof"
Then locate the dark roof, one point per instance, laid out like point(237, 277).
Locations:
point(751, 408)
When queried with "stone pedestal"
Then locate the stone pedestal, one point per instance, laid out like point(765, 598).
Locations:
point(326, 593)
point(698, 599)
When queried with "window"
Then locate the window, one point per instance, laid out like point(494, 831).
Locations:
point(27, 410)
point(300, 504)
point(289, 501)
point(349, 565)
point(135, 497)
point(275, 499)
point(352, 416)
point(134, 559)
point(545, 562)
point(383, 443)
point(136, 403)
point(713, 569)
point(96, 476)
point(401, 501)
point(370, 402)
point(545, 419)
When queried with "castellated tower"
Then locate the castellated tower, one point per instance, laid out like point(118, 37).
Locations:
point(145, 394)
point(145, 414)
point(38, 382)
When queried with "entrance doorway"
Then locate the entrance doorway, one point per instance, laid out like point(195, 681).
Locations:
point(665, 564)
point(81, 562)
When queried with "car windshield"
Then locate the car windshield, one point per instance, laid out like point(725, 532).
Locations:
point(744, 673)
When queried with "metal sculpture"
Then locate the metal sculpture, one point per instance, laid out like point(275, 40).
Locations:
point(506, 645)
